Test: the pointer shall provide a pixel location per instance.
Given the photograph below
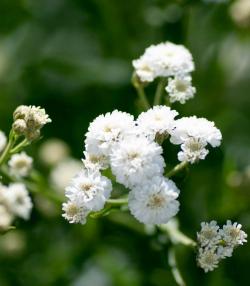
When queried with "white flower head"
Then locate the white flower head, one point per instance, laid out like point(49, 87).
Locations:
point(232, 234)
point(198, 128)
point(95, 162)
point(209, 234)
point(90, 188)
point(163, 60)
point(157, 120)
point(106, 130)
point(136, 159)
point(193, 150)
point(20, 164)
point(3, 140)
point(155, 201)
point(18, 200)
point(208, 259)
point(224, 251)
point(6, 217)
point(75, 212)
point(180, 88)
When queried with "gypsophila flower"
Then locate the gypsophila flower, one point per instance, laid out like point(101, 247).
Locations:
point(75, 212)
point(18, 200)
point(3, 141)
point(209, 235)
point(232, 234)
point(155, 201)
point(208, 259)
point(163, 60)
point(193, 150)
point(135, 160)
point(89, 188)
point(157, 120)
point(106, 130)
point(20, 164)
point(180, 88)
point(198, 128)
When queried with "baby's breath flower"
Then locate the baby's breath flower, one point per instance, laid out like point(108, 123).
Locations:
point(20, 164)
point(208, 259)
point(209, 235)
point(74, 212)
point(163, 60)
point(3, 141)
point(180, 88)
point(158, 120)
point(154, 201)
point(232, 234)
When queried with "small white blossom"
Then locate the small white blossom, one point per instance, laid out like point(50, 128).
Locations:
point(208, 259)
point(135, 160)
point(224, 251)
point(155, 201)
point(240, 13)
point(232, 234)
point(3, 141)
point(90, 188)
point(193, 150)
point(20, 164)
point(198, 128)
point(163, 60)
point(106, 130)
point(95, 162)
point(6, 217)
point(74, 212)
point(18, 200)
point(180, 88)
point(157, 120)
point(209, 235)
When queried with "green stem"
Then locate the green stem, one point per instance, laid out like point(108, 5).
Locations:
point(174, 267)
point(142, 96)
point(20, 146)
point(118, 202)
point(177, 169)
point(159, 90)
point(6, 152)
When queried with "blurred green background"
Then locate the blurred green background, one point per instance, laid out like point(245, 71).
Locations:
point(73, 57)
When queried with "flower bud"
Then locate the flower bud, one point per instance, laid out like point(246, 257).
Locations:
point(19, 127)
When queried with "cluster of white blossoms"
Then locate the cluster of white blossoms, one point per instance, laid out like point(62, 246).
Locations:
point(28, 120)
point(217, 243)
point(20, 164)
point(132, 150)
point(14, 202)
point(168, 60)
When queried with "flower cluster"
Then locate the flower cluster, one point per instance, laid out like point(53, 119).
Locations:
point(132, 150)
point(168, 60)
point(217, 243)
point(14, 202)
point(20, 164)
point(28, 120)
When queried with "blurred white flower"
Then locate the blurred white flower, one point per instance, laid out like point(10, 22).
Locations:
point(6, 217)
point(20, 164)
point(3, 140)
point(180, 88)
point(208, 259)
point(154, 201)
point(240, 12)
point(163, 60)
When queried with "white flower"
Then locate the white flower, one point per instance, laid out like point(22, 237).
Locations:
point(157, 120)
point(136, 159)
point(75, 212)
point(95, 162)
point(63, 172)
point(53, 151)
point(240, 12)
point(224, 251)
point(18, 200)
point(232, 234)
point(209, 235)
point(208, 259)
point(155, 201)
point(6, 217)
point(3, 141)
point(198, 128)
point(180, 88)
point(163, 60)
point(193, 150)
point(107, 129)
point(90, 188)
point(20, 164)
